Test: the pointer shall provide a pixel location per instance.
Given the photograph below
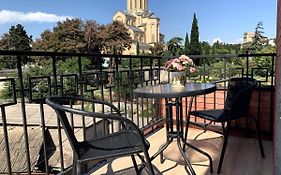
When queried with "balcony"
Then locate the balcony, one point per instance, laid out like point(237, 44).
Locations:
point(33, 141)
point(240, 155)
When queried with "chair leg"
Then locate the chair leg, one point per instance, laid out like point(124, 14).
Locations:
point(135, 164)
point(226, 134)
point(148, 163)
point(162, 160)
point(259, 136)
point(78, 169)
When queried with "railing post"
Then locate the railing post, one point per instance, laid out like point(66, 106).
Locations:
point(55, 85)
point(43, 127)
point(23, 112)
point(4, 122)
point(117, 79)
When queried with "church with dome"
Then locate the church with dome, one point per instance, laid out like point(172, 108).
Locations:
point(143, 25)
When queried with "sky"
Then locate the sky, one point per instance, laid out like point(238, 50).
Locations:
point(222, 20)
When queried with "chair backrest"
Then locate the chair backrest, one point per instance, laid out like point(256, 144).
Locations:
point(57, 104)
point(65, 105)
point(238, 96)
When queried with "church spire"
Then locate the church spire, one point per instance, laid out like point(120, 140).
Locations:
point(137, 5)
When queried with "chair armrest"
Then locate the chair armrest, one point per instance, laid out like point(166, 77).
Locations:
point(54, 102)
point(220, 81)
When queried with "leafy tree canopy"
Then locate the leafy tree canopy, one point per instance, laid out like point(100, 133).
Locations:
point(157, 49)
point(15, 39)
point(116, 38)
point(258, 40)
point(67, 36)
point(174, 46)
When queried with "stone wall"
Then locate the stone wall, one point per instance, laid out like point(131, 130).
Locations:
point(277, 122)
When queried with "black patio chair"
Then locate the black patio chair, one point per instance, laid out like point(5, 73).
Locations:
point(236, 106)
point(126, 140)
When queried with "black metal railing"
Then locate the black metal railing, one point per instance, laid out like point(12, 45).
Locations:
point(26, 87)
point(68, 74)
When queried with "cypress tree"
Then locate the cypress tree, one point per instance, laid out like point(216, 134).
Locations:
point(194, 48)
point(186, 44)
point(194, 38)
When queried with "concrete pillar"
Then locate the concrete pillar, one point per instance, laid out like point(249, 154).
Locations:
point(277, 122)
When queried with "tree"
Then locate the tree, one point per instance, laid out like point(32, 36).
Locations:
point(194, 38)
point(116, 38)
point(258, 40)
point(67, 36)
point(186, 44)
point(94, 41)
point(174, 46)
point(15, 39)
point(19, 40)
point(264, 63)
point(73, 35)
point(205, 48)
point(157, 49)
point(195, 48)
point(93, 36)
point(47, 42)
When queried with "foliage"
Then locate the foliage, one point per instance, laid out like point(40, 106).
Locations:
point(263, 63)
point(75, 35)
point(67, 36)
point(15, 39)
point(116, 38)
point(93, 36)
point(18, 38)
point(258, 40)
point(216, 71)
point(174, 46)
point(64, 66)
point(186, 44)
point(194, 38)
point(157, 49)
point(205, 47)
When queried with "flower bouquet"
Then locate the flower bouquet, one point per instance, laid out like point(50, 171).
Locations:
point(178, 68)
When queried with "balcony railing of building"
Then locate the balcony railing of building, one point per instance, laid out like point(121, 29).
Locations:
point(24, 89)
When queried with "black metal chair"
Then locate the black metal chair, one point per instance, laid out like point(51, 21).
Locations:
point(126, 140)
point(236, 106)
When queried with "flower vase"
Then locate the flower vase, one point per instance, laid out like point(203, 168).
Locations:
point(178, 78)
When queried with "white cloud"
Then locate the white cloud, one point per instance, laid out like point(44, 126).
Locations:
point(7, 16)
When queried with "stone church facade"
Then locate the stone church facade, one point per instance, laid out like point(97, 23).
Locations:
point(143, 25)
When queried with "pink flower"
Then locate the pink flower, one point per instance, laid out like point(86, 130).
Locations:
point(192, 69)
point(180, 64)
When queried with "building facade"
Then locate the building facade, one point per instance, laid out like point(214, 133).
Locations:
point(143, 25)
point(248, 37)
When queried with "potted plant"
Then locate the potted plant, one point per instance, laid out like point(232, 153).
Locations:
point(178, 69)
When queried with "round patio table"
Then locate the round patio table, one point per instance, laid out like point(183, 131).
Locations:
point(173, 97)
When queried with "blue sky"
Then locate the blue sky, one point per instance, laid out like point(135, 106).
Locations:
point(224, 20)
